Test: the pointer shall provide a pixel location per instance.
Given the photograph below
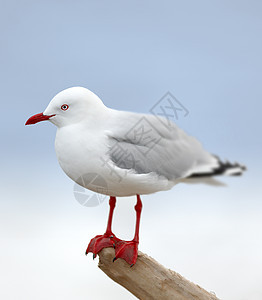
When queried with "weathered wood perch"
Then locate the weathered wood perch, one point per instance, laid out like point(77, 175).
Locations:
point(147, 279)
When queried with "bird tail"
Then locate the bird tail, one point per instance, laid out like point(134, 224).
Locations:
point(223, 168)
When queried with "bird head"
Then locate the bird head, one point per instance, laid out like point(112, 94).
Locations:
point(69, 107)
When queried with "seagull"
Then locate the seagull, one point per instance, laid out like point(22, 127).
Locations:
point(131, 154)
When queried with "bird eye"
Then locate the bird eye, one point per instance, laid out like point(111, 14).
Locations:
point(64, 107)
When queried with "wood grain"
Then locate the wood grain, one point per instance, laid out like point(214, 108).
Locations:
point(148, 279)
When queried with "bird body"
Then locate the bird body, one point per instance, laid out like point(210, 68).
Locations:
point(106, 142)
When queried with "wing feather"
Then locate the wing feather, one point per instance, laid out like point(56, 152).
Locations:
point(144, 144)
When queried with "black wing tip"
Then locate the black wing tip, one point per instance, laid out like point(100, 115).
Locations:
point(223, 169)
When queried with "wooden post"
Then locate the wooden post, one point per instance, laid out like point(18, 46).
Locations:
point(147, 279)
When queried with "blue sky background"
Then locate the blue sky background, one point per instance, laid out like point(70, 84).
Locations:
point(206, 53)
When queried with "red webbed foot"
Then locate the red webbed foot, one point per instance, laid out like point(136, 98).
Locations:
point(101, 241)
point(127, 250)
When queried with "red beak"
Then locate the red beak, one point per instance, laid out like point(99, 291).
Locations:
point(37, 118)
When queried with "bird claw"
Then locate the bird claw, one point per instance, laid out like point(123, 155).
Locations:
point(98, 243)
point(128, 250)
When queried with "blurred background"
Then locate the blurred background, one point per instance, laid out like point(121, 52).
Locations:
point(208, 55)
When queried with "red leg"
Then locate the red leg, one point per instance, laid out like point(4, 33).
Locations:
point(112, 204)
point(108, 239)
point(128, 249)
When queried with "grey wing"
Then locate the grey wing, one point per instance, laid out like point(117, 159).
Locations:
point(143, 143)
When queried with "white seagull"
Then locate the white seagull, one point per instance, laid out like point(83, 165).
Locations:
point(131, 153)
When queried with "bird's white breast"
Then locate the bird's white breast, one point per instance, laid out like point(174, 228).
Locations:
point(78, 149)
